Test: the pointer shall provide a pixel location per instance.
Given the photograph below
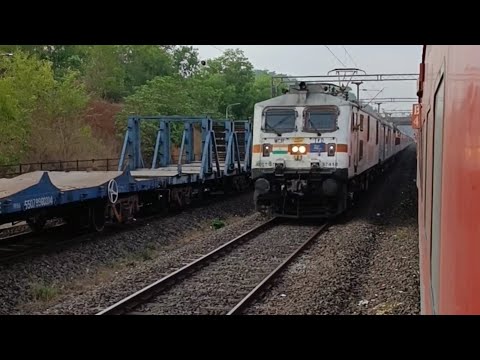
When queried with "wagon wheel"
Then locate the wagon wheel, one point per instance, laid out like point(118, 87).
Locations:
point(112, 191)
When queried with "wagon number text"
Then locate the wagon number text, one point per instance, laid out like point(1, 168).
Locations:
point(39, 202)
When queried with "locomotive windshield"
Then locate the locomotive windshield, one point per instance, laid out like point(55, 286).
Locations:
point(322, 119)
point(280, 120)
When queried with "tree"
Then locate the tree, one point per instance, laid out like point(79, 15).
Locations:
point(40, 115)
point(59, 118)
point(43, 91)
point(170, 95)
point(24, 82)
point(62, 57)
point(105, 72)
point(262, 87)
point(186, 60)
point(237, 72)
point(145, 62)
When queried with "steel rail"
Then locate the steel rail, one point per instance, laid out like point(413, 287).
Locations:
point(258, 289)
point(138, 298)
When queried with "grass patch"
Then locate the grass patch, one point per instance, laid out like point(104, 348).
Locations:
point(217, 224)
point(147, 254)
point(43, 292)
point(386, 308)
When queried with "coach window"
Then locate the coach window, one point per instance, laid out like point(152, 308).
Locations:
point(280, 120)
point(321, 119)
point(361, 122)
point(437, 192)
point(376, 140)
point(368, 128)
point(397, 138)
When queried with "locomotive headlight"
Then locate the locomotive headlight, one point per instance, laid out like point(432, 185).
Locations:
point(267, 148)
point(302, 149)
point(295, 149)
point(331, 150)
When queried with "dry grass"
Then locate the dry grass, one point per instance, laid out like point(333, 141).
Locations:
point(387, 308)
point(43, 293)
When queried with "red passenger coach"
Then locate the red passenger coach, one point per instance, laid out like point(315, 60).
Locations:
point(447, 122)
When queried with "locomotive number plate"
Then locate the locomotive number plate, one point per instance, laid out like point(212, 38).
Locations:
point(317, 148)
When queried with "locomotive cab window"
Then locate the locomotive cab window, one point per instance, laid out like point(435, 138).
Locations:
point(280, 120)
point(321, 119)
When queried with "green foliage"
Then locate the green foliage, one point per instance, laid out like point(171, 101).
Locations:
point(104, 72)
point(261, 89)
point(23, 85)
point(67, 97)
point(186, 60)
point(238, 77)
point(62, 57)
point(44, 91)
point(143, 63)
point(36, 106)
point(218, 224)
point(227, 79)
point(170, 95)
point(59, 119)
point(42, 292)
point(115, 71)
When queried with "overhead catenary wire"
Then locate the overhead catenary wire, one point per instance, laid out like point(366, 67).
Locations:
point(366, 86)
point(217, 48)
point(350, 56)
point(336, 57)
point(354, 63)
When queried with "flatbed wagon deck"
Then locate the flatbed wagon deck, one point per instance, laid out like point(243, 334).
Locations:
point(39, 195)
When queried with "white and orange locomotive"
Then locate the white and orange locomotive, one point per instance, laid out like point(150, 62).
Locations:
point(314, 147)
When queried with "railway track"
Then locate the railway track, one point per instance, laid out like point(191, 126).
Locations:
point(56, 237)
point(16, 244)
point(10, 230)
point(226, 280)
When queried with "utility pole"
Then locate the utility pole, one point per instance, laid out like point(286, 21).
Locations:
point(358, 83)
point(228, 107)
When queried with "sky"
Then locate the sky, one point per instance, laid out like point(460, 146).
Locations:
point(318, 60)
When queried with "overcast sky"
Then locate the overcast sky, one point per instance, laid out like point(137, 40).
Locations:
point(318, 60)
